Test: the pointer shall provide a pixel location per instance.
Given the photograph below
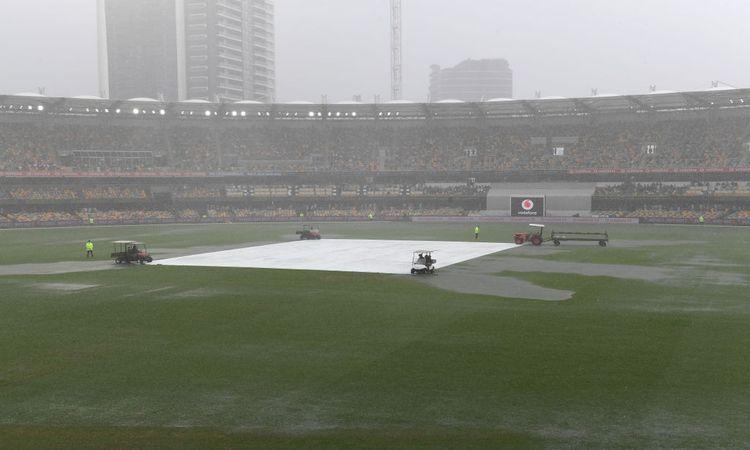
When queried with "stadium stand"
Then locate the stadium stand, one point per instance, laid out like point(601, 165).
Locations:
point(673, 156)
point(671, 145)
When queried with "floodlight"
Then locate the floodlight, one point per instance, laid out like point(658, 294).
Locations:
point(136, 111)
point(40, 108)
point(207, 113)
point(162, 112)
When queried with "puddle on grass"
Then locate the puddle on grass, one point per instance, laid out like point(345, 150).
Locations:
point(195, 293)
point(64, 287)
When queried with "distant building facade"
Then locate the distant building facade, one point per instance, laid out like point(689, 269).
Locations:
point(472, 81)
point(212, 50)
point(142, 48)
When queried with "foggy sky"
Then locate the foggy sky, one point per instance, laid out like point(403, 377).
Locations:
point(341, 47)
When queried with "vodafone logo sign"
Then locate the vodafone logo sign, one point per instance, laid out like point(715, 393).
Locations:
point(527, 206)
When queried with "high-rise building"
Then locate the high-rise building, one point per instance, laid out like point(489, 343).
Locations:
point(472, 81)
point(187, 49)
point(141, 50)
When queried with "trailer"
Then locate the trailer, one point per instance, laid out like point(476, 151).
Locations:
point(559, 236)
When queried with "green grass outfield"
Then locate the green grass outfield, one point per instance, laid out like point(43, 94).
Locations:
point(161, 357)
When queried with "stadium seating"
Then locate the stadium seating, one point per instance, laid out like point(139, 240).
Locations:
point(133, 171)
point(449, 146)
point(113, 192)
point(743, 215)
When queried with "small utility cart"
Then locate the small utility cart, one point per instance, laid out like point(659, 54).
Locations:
point(126, 252)
point(559, 236)
point(422, 263)
point(309, 232)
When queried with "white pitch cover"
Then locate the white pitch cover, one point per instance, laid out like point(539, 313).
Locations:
point(341, 255)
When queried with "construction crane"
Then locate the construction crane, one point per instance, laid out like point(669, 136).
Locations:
point(396, 77)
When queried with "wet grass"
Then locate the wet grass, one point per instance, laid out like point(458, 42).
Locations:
point(160, 357)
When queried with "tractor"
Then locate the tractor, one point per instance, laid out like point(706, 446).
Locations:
point(309, 232)
point(126, 252)
point(535, 235)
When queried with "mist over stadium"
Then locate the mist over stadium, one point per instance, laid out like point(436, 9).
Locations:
point(189, 259)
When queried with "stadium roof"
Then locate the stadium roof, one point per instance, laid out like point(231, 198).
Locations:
point(716, 98)
point(88, 97)
point(660, 92)
point(143, 100)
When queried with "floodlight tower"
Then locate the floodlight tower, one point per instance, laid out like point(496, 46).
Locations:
point(395, 49)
